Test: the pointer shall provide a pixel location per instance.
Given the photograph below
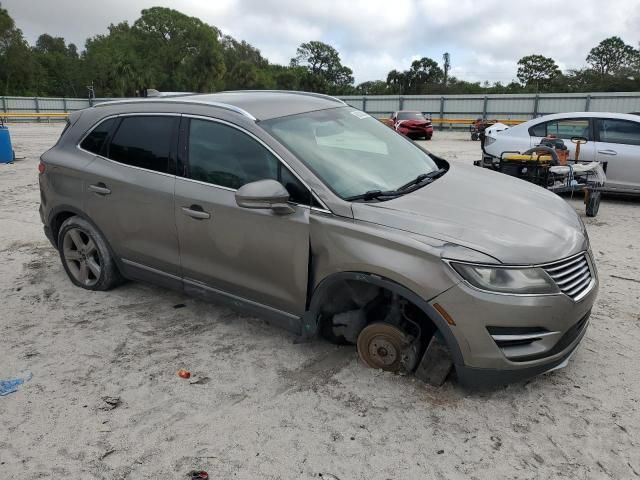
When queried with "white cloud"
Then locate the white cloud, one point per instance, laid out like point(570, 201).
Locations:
point(485, 38)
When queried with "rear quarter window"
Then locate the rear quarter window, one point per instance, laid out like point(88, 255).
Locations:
point(94, 142)
point(539, 130)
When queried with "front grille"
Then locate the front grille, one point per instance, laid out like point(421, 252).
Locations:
point(573, 275)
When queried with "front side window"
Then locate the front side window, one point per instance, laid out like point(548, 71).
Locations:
point(144, 141)
point(351, 152)
point(225, 156)
point(619, 131)
point(565, 129)
point(95, 141)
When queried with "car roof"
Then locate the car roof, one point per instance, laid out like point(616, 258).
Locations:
point(556, 116)
point(255, 104)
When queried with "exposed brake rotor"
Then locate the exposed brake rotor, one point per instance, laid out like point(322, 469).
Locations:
point(383, 346)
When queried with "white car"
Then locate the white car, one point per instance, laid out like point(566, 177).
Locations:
point(611, 137)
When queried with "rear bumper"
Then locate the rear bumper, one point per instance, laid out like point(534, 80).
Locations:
point(47, 228)
point(49, 235)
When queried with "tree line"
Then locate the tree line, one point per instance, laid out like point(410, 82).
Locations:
point(169, 51)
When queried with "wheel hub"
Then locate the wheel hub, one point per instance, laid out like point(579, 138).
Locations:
point(381, 345)
point(382, 350)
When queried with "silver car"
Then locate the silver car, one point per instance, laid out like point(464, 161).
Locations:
point(319, 218)
point(611, 137)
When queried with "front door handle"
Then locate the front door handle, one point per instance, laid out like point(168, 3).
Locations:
point(608, 152)
point(196, 211)
point(100, 189)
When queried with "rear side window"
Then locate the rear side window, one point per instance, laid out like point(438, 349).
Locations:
point(95, 141)
point(619, 131)
point(539, 130)
point(144, 142)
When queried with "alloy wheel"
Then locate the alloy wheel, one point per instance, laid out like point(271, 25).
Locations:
point(82, 257)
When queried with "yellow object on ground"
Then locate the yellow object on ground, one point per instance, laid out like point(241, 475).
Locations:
point(517, 157)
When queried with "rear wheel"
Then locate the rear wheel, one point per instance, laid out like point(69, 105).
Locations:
point(86, 257)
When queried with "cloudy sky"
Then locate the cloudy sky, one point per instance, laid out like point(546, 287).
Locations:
point(484, 37)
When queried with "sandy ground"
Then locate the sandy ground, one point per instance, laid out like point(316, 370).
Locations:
point(261, 406)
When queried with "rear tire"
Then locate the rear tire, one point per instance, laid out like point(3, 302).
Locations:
point(86, 257)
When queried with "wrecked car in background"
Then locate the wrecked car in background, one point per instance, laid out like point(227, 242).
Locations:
point(412, 124)
point(315, 216)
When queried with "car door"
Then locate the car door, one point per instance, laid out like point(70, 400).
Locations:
point(618, 144)
point(130, 192)
point(567, 128)
point(252, 255)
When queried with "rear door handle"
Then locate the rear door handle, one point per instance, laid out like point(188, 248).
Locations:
point(196, 211)
point(100, 189)
point(608, 152)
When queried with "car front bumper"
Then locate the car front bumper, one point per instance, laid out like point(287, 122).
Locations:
point(417, 131)
point(552, 326)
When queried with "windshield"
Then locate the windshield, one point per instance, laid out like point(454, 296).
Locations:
point(410, 116)
point(351, 151)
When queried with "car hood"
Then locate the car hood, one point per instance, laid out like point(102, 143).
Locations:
point(414, 123)
point(509, 219)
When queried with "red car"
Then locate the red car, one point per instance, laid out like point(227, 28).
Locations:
point(412, 124)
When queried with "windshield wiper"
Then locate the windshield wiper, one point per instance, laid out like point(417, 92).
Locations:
point(374, 195)
point(404, 189)
point(421, 178)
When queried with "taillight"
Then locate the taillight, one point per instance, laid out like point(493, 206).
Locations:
point(41, 167)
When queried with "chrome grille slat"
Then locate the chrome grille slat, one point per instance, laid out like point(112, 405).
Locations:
point(585, 283)
point(564, 273)
point(555, 266)
point(579, 273)
point(573, 276)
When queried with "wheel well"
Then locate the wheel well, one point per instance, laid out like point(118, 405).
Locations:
point(329, 296)
point(351, 304)
point(57, 222)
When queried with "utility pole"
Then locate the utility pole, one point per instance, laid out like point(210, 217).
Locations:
point(447, 65)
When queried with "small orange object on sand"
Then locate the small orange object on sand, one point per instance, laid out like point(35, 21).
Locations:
point(182, 373)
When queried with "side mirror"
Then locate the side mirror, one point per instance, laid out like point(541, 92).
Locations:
point(264, 195)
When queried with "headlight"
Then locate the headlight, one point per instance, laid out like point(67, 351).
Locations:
point(488, 140)
point(507, 280)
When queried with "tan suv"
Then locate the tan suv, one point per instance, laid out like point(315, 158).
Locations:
point(316, 216)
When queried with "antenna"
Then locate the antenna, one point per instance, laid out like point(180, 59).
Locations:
point(447, 65)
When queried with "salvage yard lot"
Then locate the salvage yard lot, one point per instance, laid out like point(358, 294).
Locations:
point(261, 405)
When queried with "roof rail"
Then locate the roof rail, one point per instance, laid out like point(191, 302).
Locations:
point(178, 99)
point(294, 92)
